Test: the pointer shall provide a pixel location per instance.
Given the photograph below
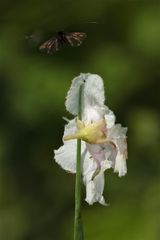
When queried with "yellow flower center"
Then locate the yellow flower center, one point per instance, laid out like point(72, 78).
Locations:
point(93, 133)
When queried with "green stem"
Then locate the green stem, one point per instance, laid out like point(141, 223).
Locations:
point(78, 228)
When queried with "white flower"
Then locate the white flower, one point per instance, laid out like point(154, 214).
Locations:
point(104, 143)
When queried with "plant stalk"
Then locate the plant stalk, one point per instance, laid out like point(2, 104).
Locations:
point(78, 228)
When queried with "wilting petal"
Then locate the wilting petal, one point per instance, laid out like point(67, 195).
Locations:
point(94, 90)
point(117, 134)
point(73, 93)
point(93, 96)
point(93, 173)
point(89, 168)
point(120, 165)
point(65, 156)
point(109, 117)
point(94, 190)
point(101, 154)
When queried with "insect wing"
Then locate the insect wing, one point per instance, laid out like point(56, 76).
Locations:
point(75, 39)
point(50, 46)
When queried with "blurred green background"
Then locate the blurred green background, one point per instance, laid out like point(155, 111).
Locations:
point(123, 47)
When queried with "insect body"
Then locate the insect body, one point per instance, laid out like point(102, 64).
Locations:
point(56, 42)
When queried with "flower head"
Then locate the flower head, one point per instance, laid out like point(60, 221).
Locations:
point(103, 142)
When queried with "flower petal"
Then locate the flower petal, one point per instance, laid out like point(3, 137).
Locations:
point(94, 190)
point(65, 156)
point(101, 155)
point(117, 134)
point(120, 165)
point(93, 94)
point(93, 173)
point(94, 98)
point(73, 94)
point(109, 117)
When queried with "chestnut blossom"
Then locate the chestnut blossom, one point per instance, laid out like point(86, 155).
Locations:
point(103, 144)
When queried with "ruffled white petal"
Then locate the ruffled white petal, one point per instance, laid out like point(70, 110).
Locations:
point(94, 98)
point(94, 190)
point(65, 156)
point(73, 94)
point(89, 168)
point(117, 135)
point(117, 132)
point(93, 95)
point(102, 154)
point(94, 91)
point(109, 117)
point(92, 113)
point(93, 173)
point(120, 165)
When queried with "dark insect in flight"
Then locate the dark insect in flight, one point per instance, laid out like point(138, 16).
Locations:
point(56, 42)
